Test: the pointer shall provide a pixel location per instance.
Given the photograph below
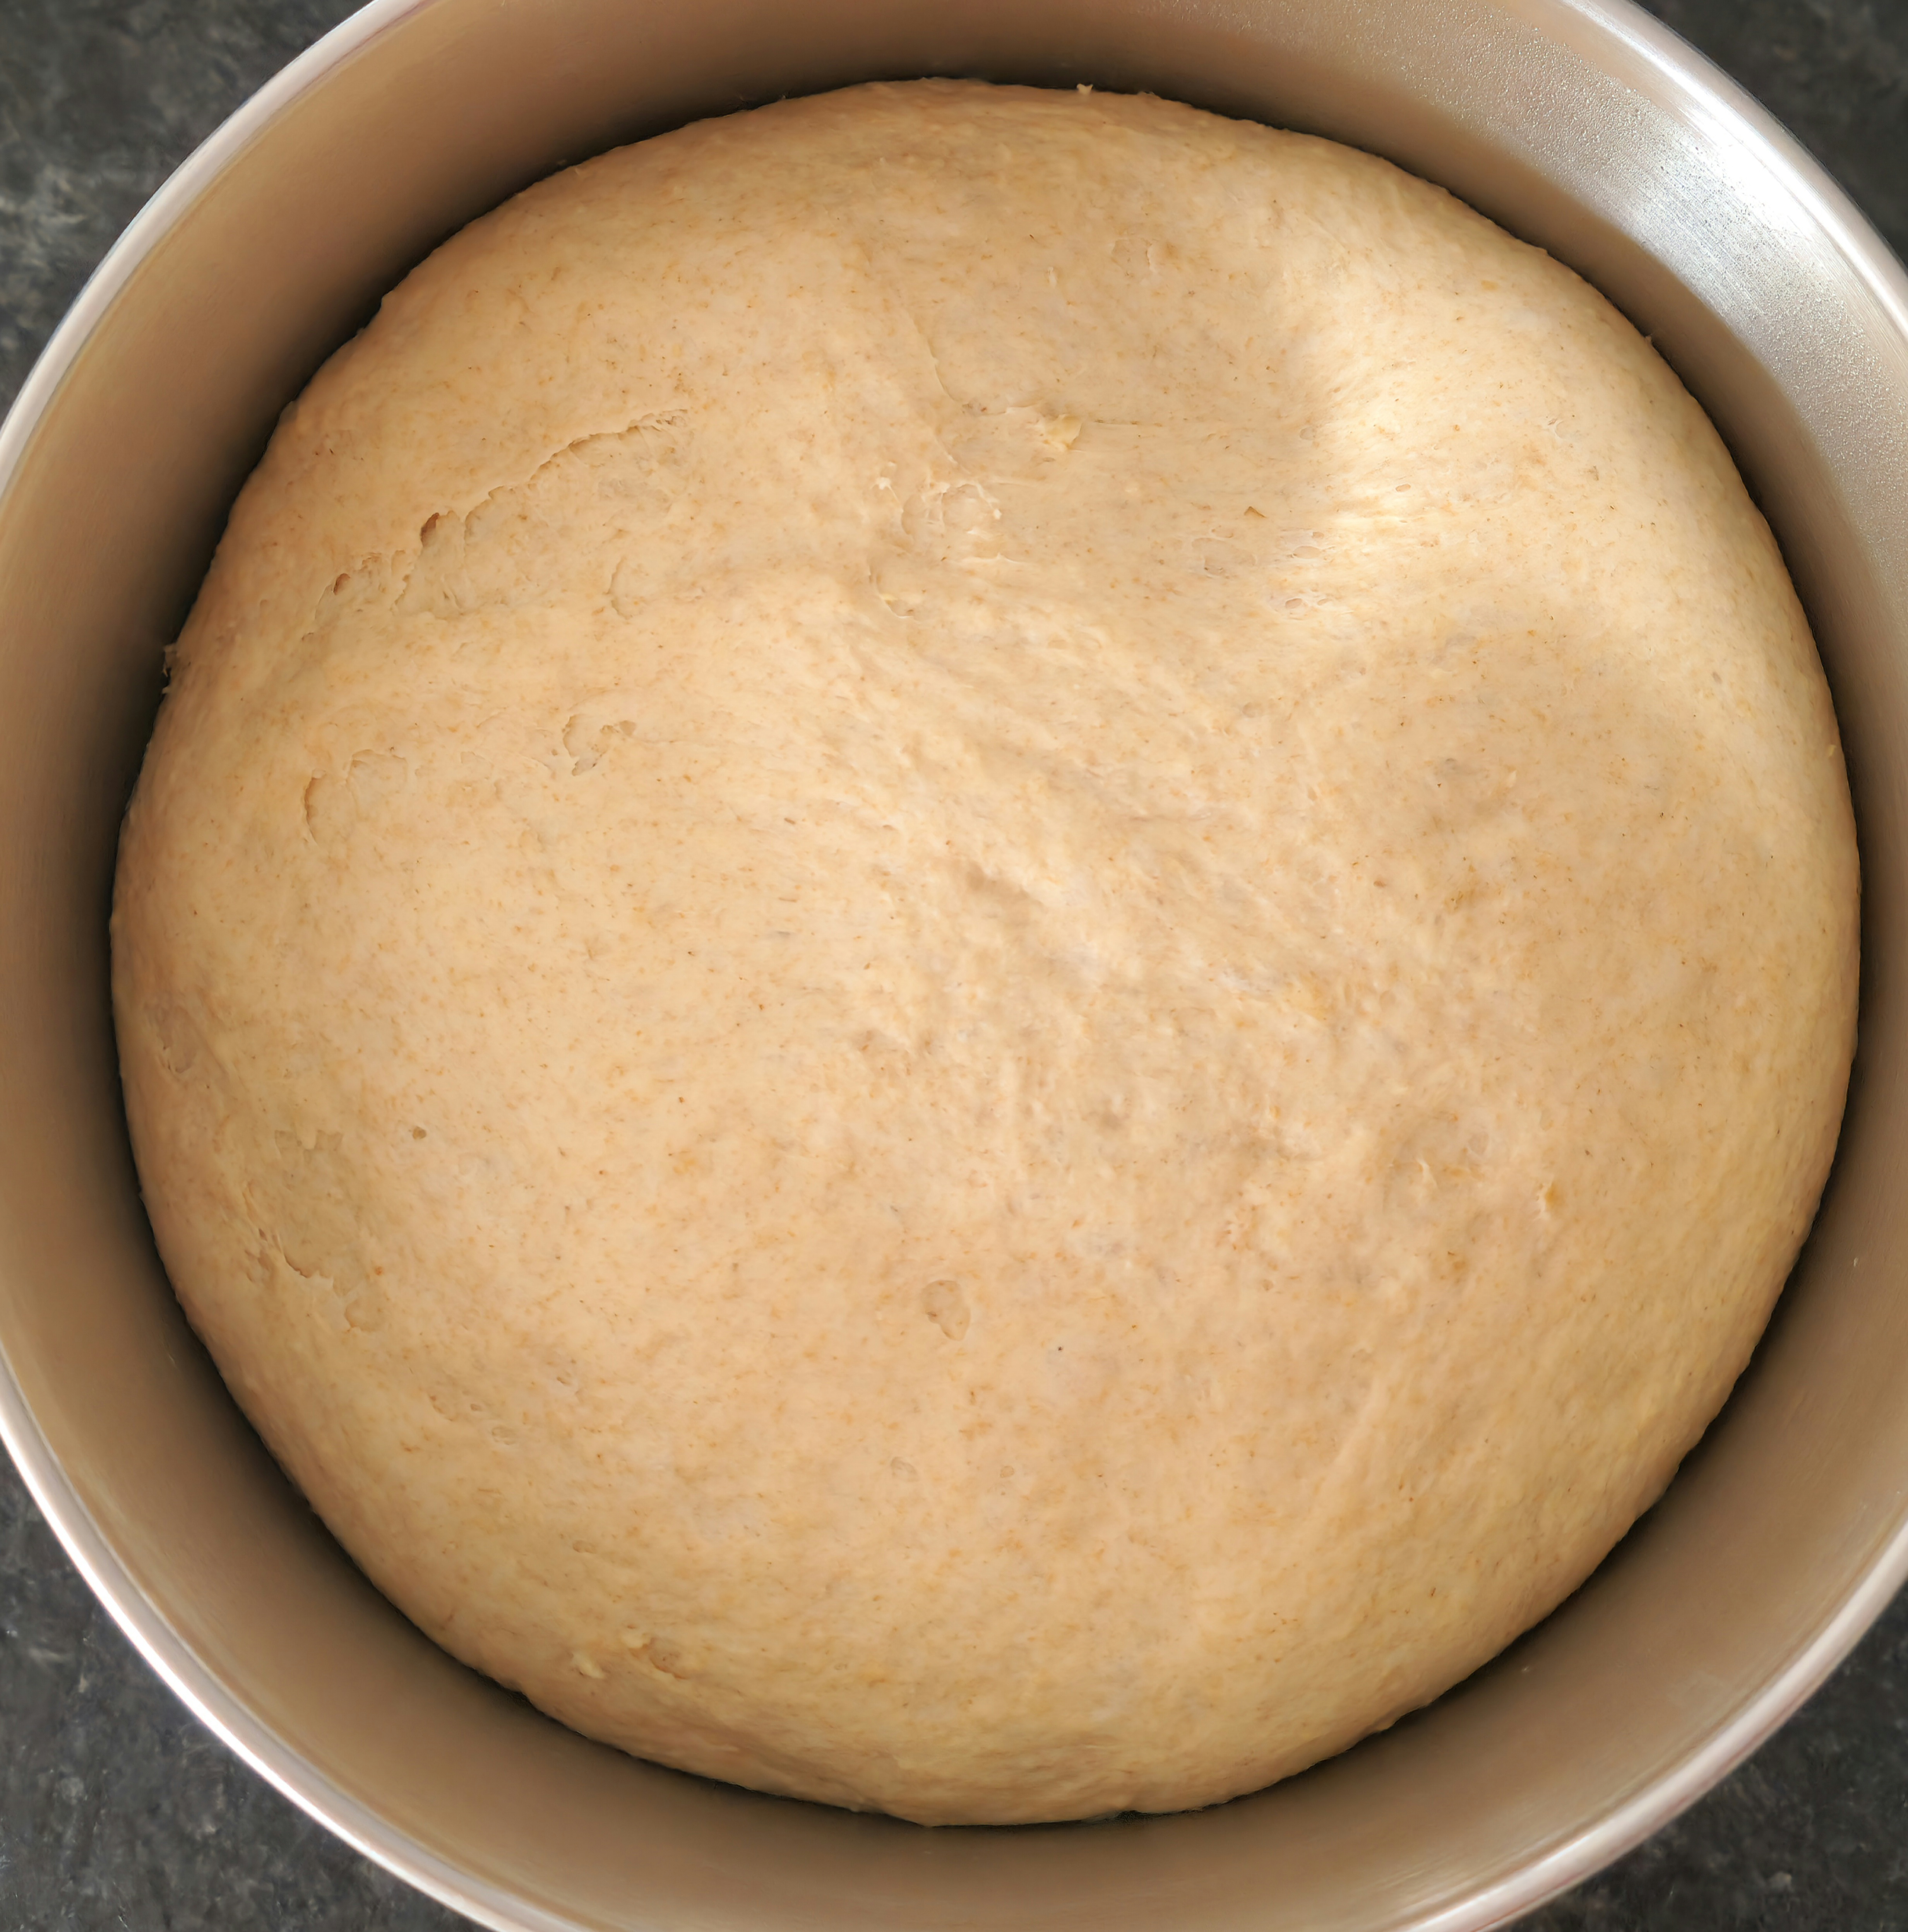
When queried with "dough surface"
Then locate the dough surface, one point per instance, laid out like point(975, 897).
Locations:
point(989, 948)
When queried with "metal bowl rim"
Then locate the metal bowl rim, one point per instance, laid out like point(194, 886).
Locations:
point(1726, 111)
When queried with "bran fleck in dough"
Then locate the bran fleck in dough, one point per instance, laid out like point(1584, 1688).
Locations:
point(989, 948)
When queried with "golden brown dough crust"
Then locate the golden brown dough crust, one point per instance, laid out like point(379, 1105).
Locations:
point(989, 948)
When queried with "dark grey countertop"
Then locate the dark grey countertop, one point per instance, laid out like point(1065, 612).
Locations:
point(117, 1809)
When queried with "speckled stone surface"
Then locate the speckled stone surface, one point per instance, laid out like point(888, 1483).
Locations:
point(117, 1812)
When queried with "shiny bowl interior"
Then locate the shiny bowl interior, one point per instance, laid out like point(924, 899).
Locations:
point(1584, 127)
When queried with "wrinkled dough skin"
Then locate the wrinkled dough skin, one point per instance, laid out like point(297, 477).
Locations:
point(989, 948)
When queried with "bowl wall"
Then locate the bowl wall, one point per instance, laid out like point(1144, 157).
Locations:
point(1586, 128)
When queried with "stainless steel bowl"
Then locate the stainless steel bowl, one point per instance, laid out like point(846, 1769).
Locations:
point(1580, 125)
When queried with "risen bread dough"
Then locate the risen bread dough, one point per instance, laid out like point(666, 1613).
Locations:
point(989, 948)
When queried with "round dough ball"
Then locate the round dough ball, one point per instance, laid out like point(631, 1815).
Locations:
point(989, 947)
